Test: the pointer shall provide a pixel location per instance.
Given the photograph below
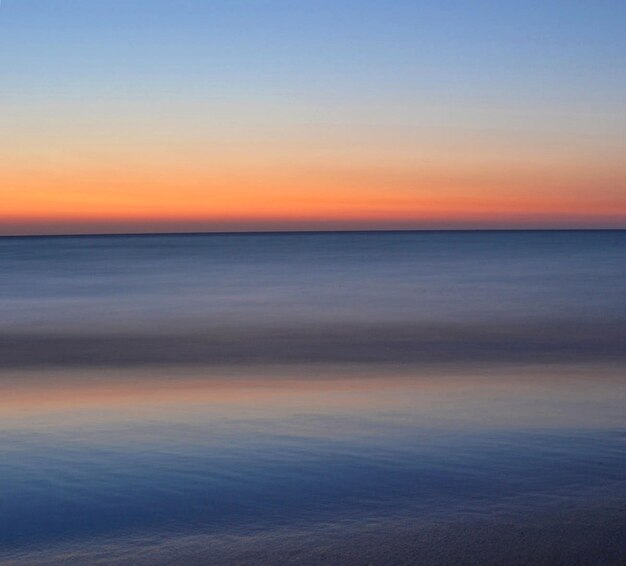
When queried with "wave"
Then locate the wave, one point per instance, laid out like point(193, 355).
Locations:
point(570, 340)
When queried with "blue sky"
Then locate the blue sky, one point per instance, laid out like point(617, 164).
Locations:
point(544, 79)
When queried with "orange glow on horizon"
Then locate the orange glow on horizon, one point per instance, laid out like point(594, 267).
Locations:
point(107, 127)
point(273, 196)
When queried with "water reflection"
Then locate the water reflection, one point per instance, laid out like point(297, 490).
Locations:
point(386, 398)
point(92, 458)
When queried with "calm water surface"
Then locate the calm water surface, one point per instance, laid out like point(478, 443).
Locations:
point(385, 398)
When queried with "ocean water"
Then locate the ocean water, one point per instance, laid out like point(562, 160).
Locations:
point(314, 398)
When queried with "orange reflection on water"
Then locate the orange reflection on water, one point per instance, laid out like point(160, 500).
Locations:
point(484, 397)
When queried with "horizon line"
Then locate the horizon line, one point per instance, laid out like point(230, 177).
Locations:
point(287, 232)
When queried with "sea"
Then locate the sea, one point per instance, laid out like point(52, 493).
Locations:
point(414, 397)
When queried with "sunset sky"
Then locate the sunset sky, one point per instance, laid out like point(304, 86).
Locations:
point(194, 115)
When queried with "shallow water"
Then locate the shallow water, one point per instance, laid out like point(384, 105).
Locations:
point(342, 398)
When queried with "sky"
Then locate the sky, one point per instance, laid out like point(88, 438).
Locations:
point(198, 115)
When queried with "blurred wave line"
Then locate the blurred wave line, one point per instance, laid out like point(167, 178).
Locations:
point(376, 342)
